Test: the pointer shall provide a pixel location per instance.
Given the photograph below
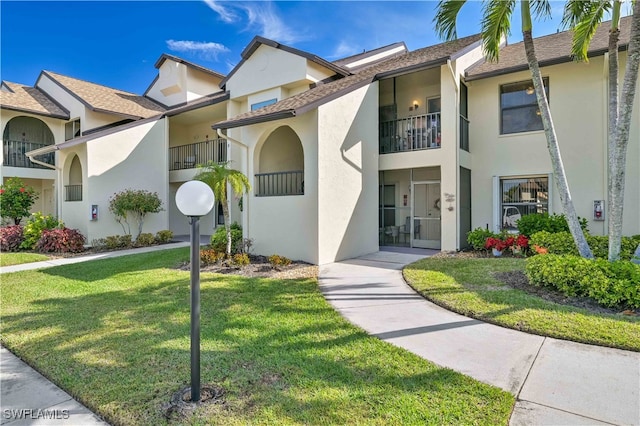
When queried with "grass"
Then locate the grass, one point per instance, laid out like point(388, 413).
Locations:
point(115, 334)
point(8, 259)
point(467, 286)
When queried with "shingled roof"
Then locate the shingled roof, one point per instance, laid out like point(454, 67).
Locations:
point(105, 99)
point(18, 97)
point(409, 62)
point(166, 56)
point(550, 50)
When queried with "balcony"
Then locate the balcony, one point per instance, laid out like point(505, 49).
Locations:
point(280, 183)
point(189, 156)
point(14, 154)
point(410, 134)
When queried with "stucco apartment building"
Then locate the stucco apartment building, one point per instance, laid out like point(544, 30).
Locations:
point(387, 147)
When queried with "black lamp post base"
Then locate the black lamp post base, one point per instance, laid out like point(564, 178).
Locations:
point(181, 405)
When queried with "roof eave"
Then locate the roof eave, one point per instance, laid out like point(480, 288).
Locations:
point(278, 115)
point(412, 68)
point(186, 108)
point(34, 112)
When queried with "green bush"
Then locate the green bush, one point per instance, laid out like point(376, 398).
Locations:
point(164, 236)
point(33, 229)
point(478, 237)
point(240, 259)
point(277, 260)
point(113, 242)
point(537, 222)
point(99, 244)
point(16, 199)
point(219, 238)
point(562, 243)
point(608, 283)
point(145, 239)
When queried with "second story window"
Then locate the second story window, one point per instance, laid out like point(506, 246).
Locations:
point(72, 129)
point(519, 107)
point(259, 105)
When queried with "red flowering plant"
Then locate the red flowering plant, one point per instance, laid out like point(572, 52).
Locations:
point(517, 244)
point(16, 200)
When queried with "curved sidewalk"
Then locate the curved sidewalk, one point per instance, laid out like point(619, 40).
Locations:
point(555, 381)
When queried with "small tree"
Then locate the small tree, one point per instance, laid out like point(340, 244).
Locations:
point(219, 177)
point(135, 203)
point(16, 199)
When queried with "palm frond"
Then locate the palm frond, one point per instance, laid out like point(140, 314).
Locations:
point(446, 16)
point(218, 175)
point(585, 29)
point(575, 10)
point(496, 24)
point(541, 9)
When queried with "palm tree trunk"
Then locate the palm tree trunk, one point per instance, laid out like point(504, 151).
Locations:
point(620, 136)
point(554, 149)
point(227, 225)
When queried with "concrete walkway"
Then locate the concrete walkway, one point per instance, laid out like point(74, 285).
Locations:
point(556, 382)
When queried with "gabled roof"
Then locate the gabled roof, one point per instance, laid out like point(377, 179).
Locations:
point(258, 41)
point(105, 99)
point(198, 103)
point(166, 56)
point(550, 50)
point(425, 58)
point(347, 62)
point(18, 97)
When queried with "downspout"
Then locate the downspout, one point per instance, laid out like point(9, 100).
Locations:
point(457, 149)
point(245, 208)
point(40, 163)
point(605, 137)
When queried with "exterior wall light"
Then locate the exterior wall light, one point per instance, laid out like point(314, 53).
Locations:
point(195, 199)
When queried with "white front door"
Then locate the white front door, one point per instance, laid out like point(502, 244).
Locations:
point(425, 206)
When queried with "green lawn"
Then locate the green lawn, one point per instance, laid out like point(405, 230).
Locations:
point(115, 334)
point(467, 286)
point(8, 259)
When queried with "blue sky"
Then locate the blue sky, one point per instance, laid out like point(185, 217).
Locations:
point(116, 43)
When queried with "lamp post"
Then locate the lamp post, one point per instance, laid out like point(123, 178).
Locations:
point(195, 199)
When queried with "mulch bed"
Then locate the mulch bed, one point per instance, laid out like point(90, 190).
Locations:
point(261, 268)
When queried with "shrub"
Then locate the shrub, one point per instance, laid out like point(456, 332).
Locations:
point(99, 244)
point(164, 236)
point(562, 243)
point(135, 203)
point(532, 223)
point(145, 239)
point(10, 238)
point(478, 237)
point(113, 242)
point(61, 240)
point(219, 238)
point(211, 256)
point(33, 229)
point(16, 199)
point(608, 283)
point(276, 260)
point(240, 259)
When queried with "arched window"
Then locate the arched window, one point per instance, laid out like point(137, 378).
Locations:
point(280, 164)
point(73, 188)
point(23, 134)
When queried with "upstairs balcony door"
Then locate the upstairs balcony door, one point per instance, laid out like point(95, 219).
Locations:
point(425, 210)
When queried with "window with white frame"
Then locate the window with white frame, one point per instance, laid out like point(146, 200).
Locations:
point(521, 196)
point(519, 110)
point(72, 129)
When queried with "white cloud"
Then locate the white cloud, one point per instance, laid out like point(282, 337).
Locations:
point(344, 49)
point(206, 50)
point(225, 13)
point(261, 18)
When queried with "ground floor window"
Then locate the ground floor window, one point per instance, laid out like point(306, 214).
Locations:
point(520, 197)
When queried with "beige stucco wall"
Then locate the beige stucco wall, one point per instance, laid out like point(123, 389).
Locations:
point(75, 214)
point(135, 158)
point(269, 67)
point(578, 100)
point(286, 225)
point(348, 176)
point(181, 84)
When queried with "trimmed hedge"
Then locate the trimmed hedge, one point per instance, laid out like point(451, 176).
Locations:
point(532, 223)
point(608, 283)
point(478, 238)
point(562, 243)
point(61, 240)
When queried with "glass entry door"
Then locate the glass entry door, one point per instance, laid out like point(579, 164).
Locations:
point(425, 206)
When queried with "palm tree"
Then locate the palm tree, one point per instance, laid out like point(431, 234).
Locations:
point(584, 17)
point(496, 22)
point(221, 178)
